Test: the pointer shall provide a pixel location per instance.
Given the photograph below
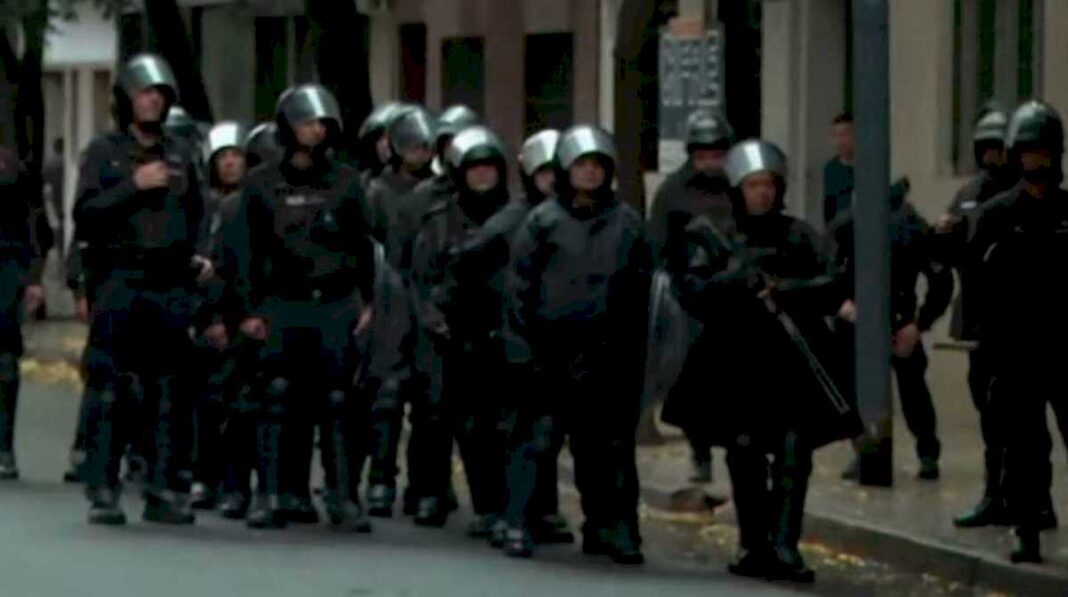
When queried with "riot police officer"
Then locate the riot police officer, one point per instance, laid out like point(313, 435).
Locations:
point(1020, 246)
point(305, 279)
point(397, 212)
point(215, 321)
point(460, 304)
point(579, 287)
point(913, 253)
point(17, 259)
point(261, 145)
point(955, 230)
point(140, 211)
point(698, 188)
point(743, 280)
point(375, 152)
point(451, 121)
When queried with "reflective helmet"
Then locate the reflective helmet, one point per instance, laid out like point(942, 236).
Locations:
point(753, 156)
point(178, 119)
point(454, 119)
point(538, 151)
point(379, 119)
point(473, 144)
point(583, 140)
point(148, 70)
point(1036, 123)
point(261, 144)
point(991, 126)
point(304, 103)
point(224, 135)
point(411, 129)
point(704, 129)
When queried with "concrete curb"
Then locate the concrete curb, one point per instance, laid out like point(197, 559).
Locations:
point(908, 552)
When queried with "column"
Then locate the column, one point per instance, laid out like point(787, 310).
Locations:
point(229, 68)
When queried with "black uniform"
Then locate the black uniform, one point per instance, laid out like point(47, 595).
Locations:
point(838, 185)
point(16, 258)
point(306, 266)
point(964, 327)
point(687, 194)
point(768, 400)
point(458, 268)
point(912, 254)
point(580, 281)
point(1020, 243)
point(140, 245)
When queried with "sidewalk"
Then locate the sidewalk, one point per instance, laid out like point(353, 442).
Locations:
point(911, 524)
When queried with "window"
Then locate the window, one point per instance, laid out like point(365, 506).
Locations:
point(132, 32)
point(549, 81)
point(413, 62)
point(463, 72)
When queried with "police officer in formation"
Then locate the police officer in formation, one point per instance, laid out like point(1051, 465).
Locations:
point(140, 211)
point(743, 278)
point(579, 280)
point(698, 188)
point(234, 315)
point(1020, 237)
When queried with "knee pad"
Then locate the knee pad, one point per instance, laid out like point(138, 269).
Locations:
point(336, 401)
point(274, 397)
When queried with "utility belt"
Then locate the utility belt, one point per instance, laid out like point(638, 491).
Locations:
point(153, 268)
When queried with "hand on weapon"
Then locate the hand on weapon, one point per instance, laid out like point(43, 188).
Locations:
point(947, 223)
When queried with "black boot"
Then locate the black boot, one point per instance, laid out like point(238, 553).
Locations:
point(342, 504)
point(751, 563)
point(380, 500)
point(234, 506)
point(9, 471)
point(104, 507)
point(266, 513)
point(1028, 548)
point(790, 486)
point(518, 544)
point(9, 393)
point(168, 508)
point(929, 469)
point(624, 546)
point(552, 529)
point(989, 511)
point(431, 513)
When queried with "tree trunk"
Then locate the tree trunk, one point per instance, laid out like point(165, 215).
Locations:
point(172, 42)
point(635, 18)
point(341, 35)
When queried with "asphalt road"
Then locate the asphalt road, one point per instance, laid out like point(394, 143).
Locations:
point(47, 549)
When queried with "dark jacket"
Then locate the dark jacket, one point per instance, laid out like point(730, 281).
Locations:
point(156, 231)
point(1019, 251)
point(397, 211)
point(764, 386)
point(967, 205)
point(460, 254)
point(302, 235)
point(838, 185)
point(15, 238)
point(579, 285)
point(684, 195)
point(913, 253)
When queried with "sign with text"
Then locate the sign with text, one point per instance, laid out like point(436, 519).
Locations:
point(691, 79)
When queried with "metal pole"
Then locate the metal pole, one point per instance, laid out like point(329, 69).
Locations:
point(873, 350)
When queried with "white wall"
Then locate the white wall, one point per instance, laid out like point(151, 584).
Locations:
point(90, 39)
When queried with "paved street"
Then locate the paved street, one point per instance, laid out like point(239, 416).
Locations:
point(48, 549)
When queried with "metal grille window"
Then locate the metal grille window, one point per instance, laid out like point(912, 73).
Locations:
point(549, 81)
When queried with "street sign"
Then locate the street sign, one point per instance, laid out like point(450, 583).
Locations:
point(691, 79)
